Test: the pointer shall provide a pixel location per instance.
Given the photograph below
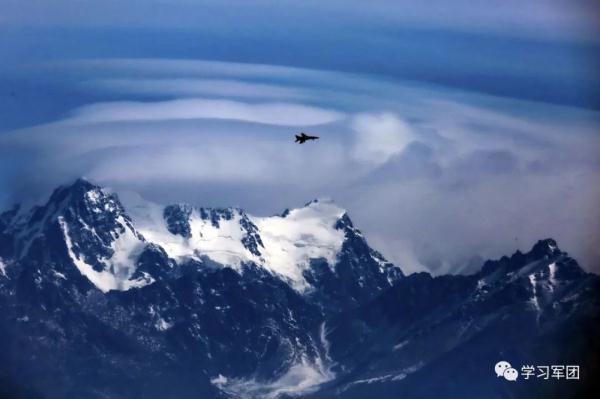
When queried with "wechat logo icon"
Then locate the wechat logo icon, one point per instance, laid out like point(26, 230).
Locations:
point(504, 369)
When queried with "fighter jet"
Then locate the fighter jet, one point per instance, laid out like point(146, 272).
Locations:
point(303, 137)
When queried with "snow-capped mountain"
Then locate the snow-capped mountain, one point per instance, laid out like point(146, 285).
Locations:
point(102, 296)
point(105, 241)
point(285, 245)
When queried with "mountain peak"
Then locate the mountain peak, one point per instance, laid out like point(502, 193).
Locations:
point(545, 250)
point(78, 188)
point(320, 201)
point(80, 185)
point(285, 244)
point(324, 208)
point(545, 247)
point(81, 196)
point(105, 237)
point(83, 182)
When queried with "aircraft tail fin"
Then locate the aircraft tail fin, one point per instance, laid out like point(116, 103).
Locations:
point(298, 138)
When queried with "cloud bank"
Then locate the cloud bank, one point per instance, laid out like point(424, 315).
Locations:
point(436, 179)
point(283, 114)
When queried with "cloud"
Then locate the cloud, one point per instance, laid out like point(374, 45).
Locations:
point(416, 161)
point(487, 162)
point(435, 179)
point(201, 153)
point(169, 67)
point(285, 114)
point(380, 136)
point(198, 88)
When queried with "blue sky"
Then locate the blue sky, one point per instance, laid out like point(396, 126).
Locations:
point(450, 131)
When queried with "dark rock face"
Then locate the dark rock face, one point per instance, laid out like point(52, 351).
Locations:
point(251, 239)
point(217, 214)
point(430, 334)
point(178, 223)
point(360, 274)
point(178, 219)
point(200, 329)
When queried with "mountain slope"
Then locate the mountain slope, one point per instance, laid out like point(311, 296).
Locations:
point(124, 299)
point(97, 298)
point(450, 331)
